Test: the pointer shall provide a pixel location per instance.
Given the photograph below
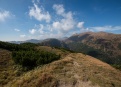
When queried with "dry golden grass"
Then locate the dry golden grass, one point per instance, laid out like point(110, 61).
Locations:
point(5, 66)
point(8, 70)
point(74, 70)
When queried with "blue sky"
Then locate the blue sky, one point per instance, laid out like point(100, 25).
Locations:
point(41, 19)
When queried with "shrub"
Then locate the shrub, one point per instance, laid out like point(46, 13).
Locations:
point(119, 46)
point(27, 56)
point(33, 58)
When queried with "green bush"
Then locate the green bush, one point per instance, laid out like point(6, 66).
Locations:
point(117, 66)
point(33, 58)
point(119, 46)
point(27, 56)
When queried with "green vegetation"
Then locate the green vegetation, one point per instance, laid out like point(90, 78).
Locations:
point(33, 58)
point(117, 66)
point(74, 70)
point(119, 46)
point(97, 53)
point(80, 47)
point(17, 47)
point(27, 55)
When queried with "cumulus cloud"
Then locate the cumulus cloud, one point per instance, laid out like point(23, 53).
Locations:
point(32, 31)
point(17, 30)
point(41, 27)
point(80, 24)
point(23, 35)
point(4, 15)
point(67, 22)
point(63, 23)
point(81, 27)
point(59, 9)
point(39, 13)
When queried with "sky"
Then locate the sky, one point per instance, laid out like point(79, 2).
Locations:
point(40, 19)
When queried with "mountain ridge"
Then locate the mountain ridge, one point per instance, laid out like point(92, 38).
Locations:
point(71, 70)
point(75, 69)
point(102, 45)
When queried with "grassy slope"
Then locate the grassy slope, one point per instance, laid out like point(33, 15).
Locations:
point(8, 71)
point(74, 70)
point(107, 44)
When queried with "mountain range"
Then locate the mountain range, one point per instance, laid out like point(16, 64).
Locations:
point(102, 45)
point(85, 60)
point(31, 41)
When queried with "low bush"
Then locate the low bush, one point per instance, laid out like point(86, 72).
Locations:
point(27, 56)
point(33, 58)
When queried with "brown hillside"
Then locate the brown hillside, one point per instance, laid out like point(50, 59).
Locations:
point(107, 42)
point(6, 67)
point(74, 70)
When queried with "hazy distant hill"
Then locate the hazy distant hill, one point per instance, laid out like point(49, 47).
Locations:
point(31, 41)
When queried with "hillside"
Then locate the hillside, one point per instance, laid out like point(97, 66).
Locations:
point(100, 40)
point(7, 67)
point(32, 65)
point(18, 59)
point(53, 43)
point(102, 45)
point(74, 70)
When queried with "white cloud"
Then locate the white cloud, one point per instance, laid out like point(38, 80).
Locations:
point(80, 24)
point(97, 28)
point(4, 15)
point(32, 31)
point(17, 30)
point(23, 35)
point(41, 31)
point(39, 13)
point(65, 24)
point(105, 28)
point(81, 27)
point(50, 35)
point(59, 9)
point(57, 25)
point(46, 29)
point(41, 27)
